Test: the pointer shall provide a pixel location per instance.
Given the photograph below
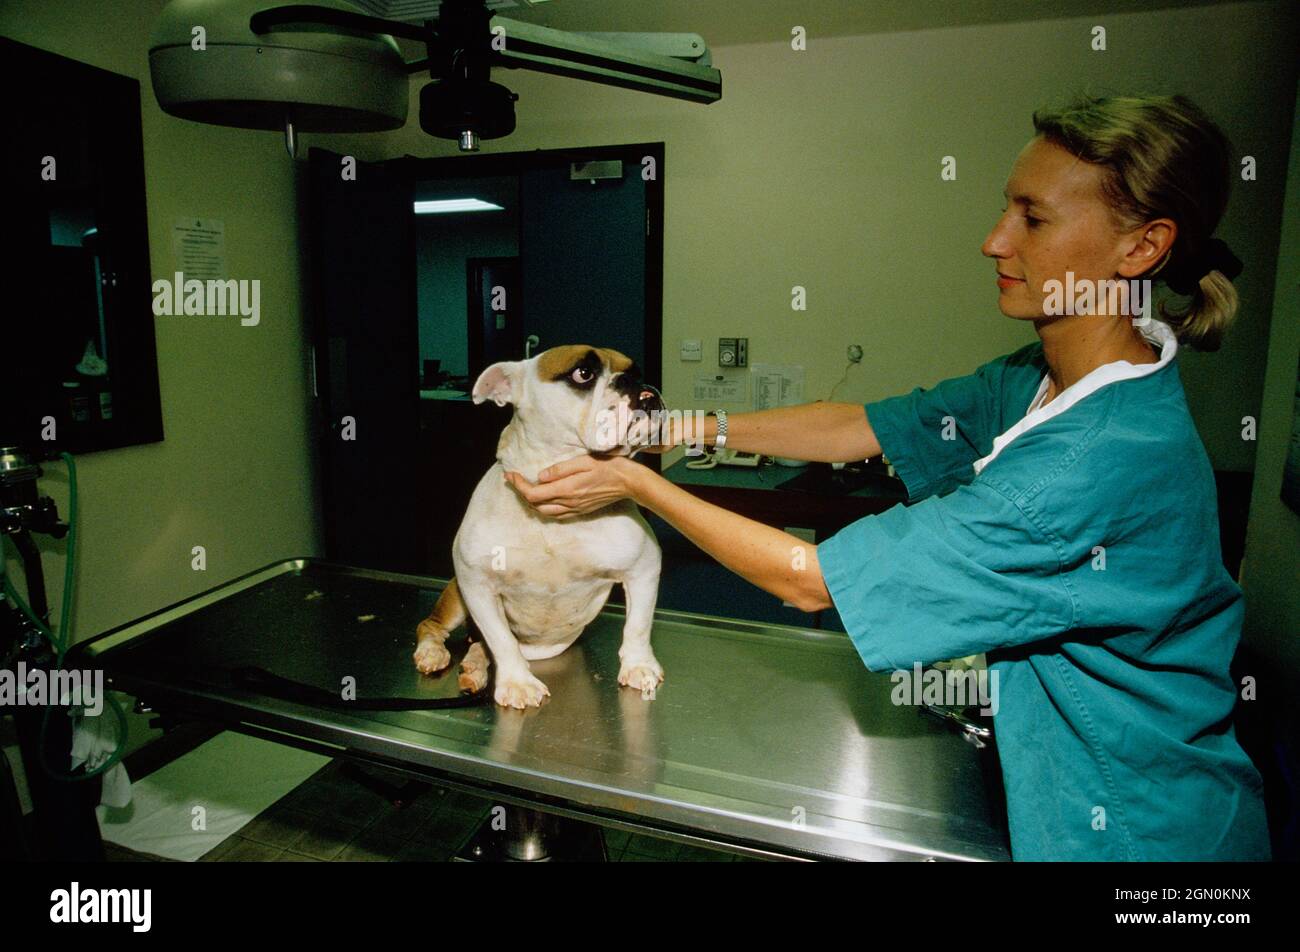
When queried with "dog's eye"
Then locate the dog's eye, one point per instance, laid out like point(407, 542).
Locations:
point(581, 375)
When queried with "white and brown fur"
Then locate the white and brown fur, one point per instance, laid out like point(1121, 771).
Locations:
point(532, 583)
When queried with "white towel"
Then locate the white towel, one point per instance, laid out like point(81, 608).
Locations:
point(94, 739)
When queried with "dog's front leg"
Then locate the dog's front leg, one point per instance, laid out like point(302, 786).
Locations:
point(431, 636)
point(638, 667)
point(515, 686)
point(474, 668)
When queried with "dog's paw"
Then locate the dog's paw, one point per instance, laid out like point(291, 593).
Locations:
point(520, 691)
point(431, 656)
point(473, 671)
point(641, 674)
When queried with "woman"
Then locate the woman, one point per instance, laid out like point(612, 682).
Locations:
point(1063, 518)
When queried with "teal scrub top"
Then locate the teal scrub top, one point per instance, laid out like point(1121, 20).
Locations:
point(1113, 725)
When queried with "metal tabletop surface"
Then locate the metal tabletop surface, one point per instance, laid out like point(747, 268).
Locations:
point(760, 736)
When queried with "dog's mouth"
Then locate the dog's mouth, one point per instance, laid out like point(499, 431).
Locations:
point(639, 422)
point(647, 421)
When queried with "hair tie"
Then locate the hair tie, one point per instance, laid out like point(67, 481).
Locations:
point(1219, 257)
point(1185, 276)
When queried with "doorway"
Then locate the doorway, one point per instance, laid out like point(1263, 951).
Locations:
point(445, 266)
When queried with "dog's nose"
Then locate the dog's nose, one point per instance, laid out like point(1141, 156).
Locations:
point(649, 399)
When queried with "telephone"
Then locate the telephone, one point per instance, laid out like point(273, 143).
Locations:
point(725, 457)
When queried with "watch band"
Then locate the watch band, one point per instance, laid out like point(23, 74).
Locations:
point(720, 441)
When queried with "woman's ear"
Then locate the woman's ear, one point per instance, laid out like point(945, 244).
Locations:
point(498, 383)
point(1152, 244)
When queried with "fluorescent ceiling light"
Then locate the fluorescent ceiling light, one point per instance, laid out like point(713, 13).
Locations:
point(443, 205)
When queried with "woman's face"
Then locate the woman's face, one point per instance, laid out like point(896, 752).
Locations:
point(1055, 221)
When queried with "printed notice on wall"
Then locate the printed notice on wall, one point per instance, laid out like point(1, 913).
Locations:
point(200, 248)
point(777, 385)
point(715, 388)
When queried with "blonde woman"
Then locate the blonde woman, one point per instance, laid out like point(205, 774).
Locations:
point(1063, 514)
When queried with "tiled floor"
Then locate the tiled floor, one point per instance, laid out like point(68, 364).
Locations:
point(333, 818)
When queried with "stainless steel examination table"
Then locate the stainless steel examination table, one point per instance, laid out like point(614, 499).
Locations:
point(763, 739)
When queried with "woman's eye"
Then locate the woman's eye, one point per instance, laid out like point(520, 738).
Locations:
point(1030, 220)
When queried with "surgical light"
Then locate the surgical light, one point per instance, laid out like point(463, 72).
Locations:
point(330, 67)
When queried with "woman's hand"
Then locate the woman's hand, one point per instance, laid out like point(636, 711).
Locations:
point(670, 433)
point(579, 485)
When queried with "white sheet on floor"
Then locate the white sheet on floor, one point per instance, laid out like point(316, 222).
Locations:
point(196, 801)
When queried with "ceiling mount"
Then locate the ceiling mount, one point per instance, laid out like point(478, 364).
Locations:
point(462, 103)
point(328, 67)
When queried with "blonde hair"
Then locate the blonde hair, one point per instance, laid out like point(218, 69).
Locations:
point(1164, 158)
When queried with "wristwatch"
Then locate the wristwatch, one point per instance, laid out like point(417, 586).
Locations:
point(720, 441)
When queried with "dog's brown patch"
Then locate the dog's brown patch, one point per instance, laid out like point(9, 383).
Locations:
point(559, 361)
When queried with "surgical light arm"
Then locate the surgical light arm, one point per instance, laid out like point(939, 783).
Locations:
point(632, 63)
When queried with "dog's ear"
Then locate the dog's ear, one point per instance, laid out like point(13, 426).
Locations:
point(498, 383)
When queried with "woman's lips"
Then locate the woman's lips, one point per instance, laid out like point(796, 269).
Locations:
point(1004, 282)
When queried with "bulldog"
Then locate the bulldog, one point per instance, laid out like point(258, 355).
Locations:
point(532, 583)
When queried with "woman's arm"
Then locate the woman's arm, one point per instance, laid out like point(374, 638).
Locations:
point(775, 561)
point(817, 432)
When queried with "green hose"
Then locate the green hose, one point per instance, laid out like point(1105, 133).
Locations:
point(60, 641)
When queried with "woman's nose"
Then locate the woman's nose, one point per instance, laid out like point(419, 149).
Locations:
point(996, 244)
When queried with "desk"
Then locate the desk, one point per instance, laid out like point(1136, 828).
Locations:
point(763, 739)
point(755, 492)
